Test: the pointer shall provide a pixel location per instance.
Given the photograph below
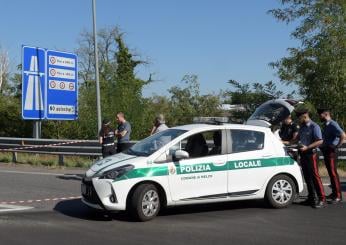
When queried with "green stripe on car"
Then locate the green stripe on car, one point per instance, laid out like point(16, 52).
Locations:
point(207, 167)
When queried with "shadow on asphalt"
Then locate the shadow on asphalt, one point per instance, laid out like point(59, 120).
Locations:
point(77, 177)
point(77, 209)
point(203, 208)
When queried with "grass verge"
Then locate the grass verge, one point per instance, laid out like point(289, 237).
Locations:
point(47, 160)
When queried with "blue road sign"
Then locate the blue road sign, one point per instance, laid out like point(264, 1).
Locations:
point(33, 82)
point(62, 86)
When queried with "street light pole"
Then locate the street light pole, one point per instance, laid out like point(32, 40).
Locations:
point(98, 104)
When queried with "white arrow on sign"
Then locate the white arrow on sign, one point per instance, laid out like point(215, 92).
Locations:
point(34, 87)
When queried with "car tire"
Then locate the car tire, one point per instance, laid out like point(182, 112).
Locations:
point(145, 202)
point(280, 192)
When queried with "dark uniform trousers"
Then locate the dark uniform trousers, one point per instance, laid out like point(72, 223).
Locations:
point(312, 178)
point(108, 150)
point(330, 159)
point(123, 146)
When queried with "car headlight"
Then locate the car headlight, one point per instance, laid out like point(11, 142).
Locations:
point(117, 172)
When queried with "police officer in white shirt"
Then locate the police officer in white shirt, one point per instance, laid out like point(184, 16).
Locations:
point(159, 124)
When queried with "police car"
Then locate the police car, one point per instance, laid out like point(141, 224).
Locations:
point(197, 163)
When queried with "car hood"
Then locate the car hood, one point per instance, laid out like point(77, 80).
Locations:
point(111, 162)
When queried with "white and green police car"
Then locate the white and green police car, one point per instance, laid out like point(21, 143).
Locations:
point(191, 164)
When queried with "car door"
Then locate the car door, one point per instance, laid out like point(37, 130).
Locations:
point(204, 174)
point(247, 161)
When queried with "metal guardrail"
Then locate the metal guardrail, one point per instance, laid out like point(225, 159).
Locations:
point(63, 148)
point(58, 147)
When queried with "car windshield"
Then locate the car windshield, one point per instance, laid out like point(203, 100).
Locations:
point(149, 145)
point(272, 113)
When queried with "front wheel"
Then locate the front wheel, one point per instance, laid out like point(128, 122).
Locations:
point(145, 202)
point(280, 192)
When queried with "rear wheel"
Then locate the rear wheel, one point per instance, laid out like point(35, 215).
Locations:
point(145, 202)
point(280, 192)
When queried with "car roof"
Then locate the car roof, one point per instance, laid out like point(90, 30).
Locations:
point(193, 127)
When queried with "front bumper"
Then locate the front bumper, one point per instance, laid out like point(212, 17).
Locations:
point(100, 194)
point(89, 193)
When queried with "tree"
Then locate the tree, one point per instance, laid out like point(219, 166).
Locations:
point(318, 66)
point(11, 123)
point(187, 102)
point(4, 65)
point(120, 89)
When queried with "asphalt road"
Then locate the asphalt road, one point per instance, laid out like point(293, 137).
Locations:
point(55, 215)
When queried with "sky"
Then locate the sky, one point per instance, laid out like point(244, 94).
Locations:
point(217, 40)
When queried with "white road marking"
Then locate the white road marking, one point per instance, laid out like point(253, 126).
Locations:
point(12, 208)
point(40, 200)
point(38, 173)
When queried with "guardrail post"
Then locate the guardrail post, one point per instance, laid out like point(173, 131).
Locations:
point(61, 160)
point(14, 157)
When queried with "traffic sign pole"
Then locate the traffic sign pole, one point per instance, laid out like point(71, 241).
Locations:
point(37, 130)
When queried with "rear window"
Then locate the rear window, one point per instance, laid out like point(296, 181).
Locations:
point(273, 113)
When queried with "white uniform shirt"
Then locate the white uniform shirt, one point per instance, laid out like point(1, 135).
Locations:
point(160, 128)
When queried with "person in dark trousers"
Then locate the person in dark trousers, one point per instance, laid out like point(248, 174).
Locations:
point(310, 138)
point(333, 137)
point(106, 138)
point(288, 131)
point(123, 133)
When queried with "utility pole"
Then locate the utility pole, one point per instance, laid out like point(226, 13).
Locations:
point(98, 103)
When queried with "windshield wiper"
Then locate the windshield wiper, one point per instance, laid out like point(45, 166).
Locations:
point(136, 153)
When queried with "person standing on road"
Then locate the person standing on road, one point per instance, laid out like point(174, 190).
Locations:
point(159, 124)
point(288, 131)
point(310, 137)
point(106, 138)
point(123, 133)
point(333, 137)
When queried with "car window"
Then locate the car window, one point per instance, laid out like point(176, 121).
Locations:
point(202, 144)
point(149, 145)
point(272, 112)
point(246, 140)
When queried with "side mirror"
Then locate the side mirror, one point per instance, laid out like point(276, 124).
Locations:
point(180, 154)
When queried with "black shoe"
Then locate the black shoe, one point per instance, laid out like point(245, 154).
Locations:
point(335, 200)
point(319, 204)
point(330, 196)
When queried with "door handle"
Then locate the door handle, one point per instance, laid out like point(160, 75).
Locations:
point(268, 155)
point(219, 162)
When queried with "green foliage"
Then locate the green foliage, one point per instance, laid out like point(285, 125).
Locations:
point(318, 66)
point(11, 123)
point(187, 102)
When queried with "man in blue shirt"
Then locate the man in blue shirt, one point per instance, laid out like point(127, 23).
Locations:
point(310, 138)
point(333, 137)
point(123, 133)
